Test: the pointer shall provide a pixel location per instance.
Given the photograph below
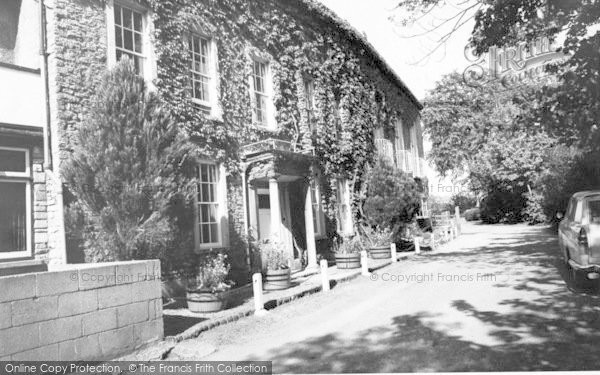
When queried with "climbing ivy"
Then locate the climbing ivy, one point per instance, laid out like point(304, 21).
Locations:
point(301, 42)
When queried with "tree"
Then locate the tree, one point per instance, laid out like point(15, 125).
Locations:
point(391, 197)
point(131, 172)
point(570, 110)
point(476, 131)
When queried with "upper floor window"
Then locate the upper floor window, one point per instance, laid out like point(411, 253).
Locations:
point(129, 35)
point(309, 92)
point(261, 92)
point(19, 33)
point(201, 69)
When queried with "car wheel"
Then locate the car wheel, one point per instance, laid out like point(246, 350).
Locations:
point(579, 280)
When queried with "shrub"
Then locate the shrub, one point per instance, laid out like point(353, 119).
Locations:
point(392, 197)
point(350, 245)
point(377, 237)
point(503, 204)
point(472, 214)
point(568, 170)
point(212, 275)
point(273, 254)
point(130, 171)
point(463, 201)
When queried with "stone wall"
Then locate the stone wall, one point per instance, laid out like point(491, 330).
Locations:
point(84, 312)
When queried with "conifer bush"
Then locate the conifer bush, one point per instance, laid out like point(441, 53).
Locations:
point(132, 173)
point(392, 197)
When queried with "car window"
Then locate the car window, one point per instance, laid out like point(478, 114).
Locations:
point(594, 208)
point(569, 213)
point(578, 212)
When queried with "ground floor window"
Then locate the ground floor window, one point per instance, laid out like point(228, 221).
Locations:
point(15, 203)
point(210, 205)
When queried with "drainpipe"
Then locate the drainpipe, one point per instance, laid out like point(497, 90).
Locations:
point(245, 204)
point(50, 162)
point(44, 76)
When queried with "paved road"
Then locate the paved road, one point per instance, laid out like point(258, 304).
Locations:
point(495, 300)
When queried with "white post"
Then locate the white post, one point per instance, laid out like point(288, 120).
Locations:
point(394, 254)
point(364, 262)
point(275, 207)
point(432, 244)
point(457, 217)
point(259, 306)
point(311, 248)
point(324, 275)
point(417, 245)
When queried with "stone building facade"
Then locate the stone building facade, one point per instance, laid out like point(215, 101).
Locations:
point(277, 184)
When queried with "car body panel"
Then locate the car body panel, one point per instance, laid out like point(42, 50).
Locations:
point(583, 213)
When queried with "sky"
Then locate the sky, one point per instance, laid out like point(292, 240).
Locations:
point(411, 52)
point(406, 48)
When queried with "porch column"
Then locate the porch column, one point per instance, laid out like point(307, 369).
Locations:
point(275, 207)
point(310, 231)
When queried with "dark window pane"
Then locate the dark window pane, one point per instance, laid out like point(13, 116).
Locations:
point(13, 219)
point(214, 233)
point(128, 40)
point(118, 20)
point(594, 211)
point(118, 37)
point(137, 22)
point(264, 202)
point(138, 42)
point(127, 15)
point(12, 161)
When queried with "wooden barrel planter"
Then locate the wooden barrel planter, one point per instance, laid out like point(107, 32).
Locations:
point(204, 302)
point(347, 261)
point(381, 252)
point(278, 279)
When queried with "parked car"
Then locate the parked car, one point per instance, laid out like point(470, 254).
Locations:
point(473, 214)
point(579, 236)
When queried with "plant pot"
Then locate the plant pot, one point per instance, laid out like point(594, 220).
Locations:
point(347, 261)
point(380, 252)
point(204, 302)
point(278, 279)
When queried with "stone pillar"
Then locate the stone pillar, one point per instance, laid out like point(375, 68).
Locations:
point(275, 207)
point(311, 247)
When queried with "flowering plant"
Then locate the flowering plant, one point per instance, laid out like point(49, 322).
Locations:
point(273, 253)
point(212, 275)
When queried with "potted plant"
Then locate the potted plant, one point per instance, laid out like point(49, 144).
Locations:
point(278, 275)
point(378, 241)
point(204, 294)
point(347, 254)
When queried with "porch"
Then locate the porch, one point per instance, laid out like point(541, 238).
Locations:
point(278, 199)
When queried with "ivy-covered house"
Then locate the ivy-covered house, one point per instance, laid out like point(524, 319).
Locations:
point(287, 102)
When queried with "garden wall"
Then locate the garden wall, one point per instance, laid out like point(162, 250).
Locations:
point(80, 312)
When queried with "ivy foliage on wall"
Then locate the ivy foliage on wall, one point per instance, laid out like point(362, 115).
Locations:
point(352, 96)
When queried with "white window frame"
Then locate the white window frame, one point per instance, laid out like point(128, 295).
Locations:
point(345, 224)
point(211, 107)
point(221, 201)
point(148, 59)
point(270, 121)
point(21, 177)
point(317, 206)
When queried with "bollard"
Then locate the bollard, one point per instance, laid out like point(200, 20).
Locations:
point(364, 263)
point(259, 306)
point(457, 218)
point(452, 232)
point(394, 254)
point(324, 275)
point(432, 243)
point(418, 245)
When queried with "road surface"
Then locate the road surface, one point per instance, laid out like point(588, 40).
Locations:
point(494, 300)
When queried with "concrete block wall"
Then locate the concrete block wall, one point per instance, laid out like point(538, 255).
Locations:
point(80, 312)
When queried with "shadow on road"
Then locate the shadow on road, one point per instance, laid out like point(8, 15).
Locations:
point(547, 325)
